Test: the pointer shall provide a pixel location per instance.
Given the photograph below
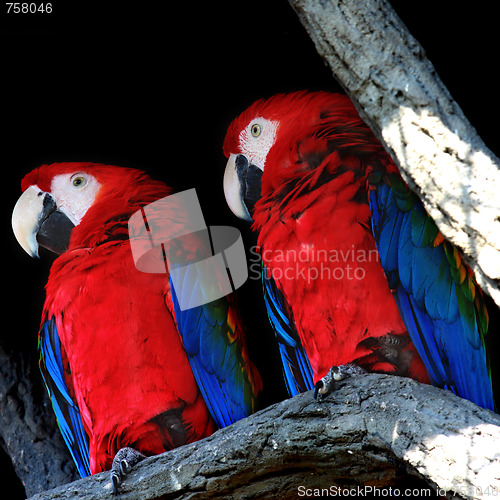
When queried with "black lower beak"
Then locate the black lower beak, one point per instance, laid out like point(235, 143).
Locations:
point(55, 228)
point(250, 181)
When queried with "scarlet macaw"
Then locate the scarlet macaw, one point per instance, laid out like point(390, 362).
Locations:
point(129, 374)
point(356, 275)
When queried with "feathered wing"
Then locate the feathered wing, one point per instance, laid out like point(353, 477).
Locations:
point(212, 333)
point(296, 367)
point(54, 366)
point(436, 293)
point(213, 338)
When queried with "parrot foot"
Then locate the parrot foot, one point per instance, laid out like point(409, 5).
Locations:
point(326, 385)
point(123, 462)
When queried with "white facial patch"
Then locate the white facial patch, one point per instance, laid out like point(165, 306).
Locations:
point(74, 194)
point(256, 139)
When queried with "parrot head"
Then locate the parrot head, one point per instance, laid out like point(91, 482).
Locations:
point(248, 141)
point(277, 142)
point(60, 197)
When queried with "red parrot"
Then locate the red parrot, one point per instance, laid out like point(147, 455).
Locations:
point(356, 275)
point(129, 374)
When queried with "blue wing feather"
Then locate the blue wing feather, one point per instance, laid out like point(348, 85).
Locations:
point(296, 367)
point(216, 357)
point(440, 319)
point(65, 408)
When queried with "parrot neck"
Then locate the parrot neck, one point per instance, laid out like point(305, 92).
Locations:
point(107, 220)
point(313, 201)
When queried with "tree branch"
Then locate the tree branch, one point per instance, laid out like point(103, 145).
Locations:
point(374, 430)
point(397, 91)
point(28, 430)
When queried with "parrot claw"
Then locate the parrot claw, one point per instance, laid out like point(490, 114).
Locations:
point(326, 385)
point(123, 462)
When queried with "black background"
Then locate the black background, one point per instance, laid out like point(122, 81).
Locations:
point(154, 85)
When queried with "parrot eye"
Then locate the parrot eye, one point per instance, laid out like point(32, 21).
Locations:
point(256, 130)
point(78, 181)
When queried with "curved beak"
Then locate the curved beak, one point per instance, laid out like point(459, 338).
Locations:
point(37, 221)
point(242, 186)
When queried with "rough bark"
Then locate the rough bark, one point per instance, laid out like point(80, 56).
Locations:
point(397, 91)
point(28, 431)
point(374, 431)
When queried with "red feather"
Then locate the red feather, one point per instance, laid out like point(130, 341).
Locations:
point(314, 230)
point(129, 372)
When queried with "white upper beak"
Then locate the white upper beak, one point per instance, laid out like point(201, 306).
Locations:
point(232, 190)
point(26, 218)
